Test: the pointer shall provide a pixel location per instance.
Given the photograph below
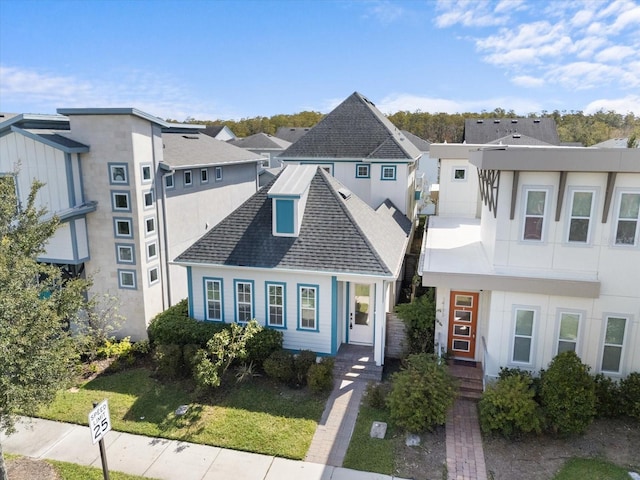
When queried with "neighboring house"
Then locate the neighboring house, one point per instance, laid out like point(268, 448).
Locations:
point(304, 255)
point(360, 147)
point(266, 145)
point(548, 262)
point(427, 174)
point(487, 130)
point(109, 175)
point(291, 134)
point(615, 143)
point(220, 132)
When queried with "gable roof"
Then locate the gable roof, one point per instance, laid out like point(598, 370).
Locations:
point(517, 139)
point(337, 234)
point(197, 149)
point(486, 130)
point(114, 111)
point(291, 134)
point(261, 141)
point(422, 144)
point(53, 139)
point(354, 129)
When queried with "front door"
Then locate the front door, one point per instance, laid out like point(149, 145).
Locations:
point(361, 315)
point(463, 318)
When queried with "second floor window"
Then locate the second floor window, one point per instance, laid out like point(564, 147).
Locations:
point(535, 208)
point(628, 219)
point(580, 220)
point(187, 178)
point(362, 171)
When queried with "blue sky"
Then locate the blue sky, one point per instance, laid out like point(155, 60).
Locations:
point(238, 59)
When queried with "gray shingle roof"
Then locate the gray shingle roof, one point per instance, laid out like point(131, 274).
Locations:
point(260, 141)
point(291, 134)
point(422, 144)
point(336, 235)
point(195, 149)
point(517, 139)
point(354, 129)
point(485, 130)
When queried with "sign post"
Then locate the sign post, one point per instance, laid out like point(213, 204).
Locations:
point(99, 425)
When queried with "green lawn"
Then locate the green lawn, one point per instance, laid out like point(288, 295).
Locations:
point(256, 416)
point(591, 469)
point(71, 471)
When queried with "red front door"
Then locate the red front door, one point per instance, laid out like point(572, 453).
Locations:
point(463, 318)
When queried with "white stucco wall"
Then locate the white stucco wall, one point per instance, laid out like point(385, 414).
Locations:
point(458, 197)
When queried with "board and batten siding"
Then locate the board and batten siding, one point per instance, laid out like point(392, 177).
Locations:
point(294, 339)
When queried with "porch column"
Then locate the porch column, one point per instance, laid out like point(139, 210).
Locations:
point(380, 329)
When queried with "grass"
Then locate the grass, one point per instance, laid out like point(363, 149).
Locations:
point(371, 454)
point(256, 416)
point(591, 469)
point(71, 471)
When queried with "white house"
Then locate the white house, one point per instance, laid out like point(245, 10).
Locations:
point(548, 261)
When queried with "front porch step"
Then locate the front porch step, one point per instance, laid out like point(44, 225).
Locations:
point(355, 362)
point(470, 384)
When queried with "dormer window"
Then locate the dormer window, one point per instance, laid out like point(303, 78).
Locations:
point(289, 197)
point(285, 224)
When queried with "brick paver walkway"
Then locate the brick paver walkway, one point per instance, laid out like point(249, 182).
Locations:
point(465, 456)
point(333, 434)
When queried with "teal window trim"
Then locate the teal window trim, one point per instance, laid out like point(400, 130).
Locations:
point(237, 304)
point(334, 315)
point(122, 220)
point(302, 289)
point(122, 247)
point(126, 275)
point(390, 168)
point(120, 194)
point(118, 173)
point(268, 305)
point(205, 287)
point(190, 292)
point(285, 212)
point(363, 170)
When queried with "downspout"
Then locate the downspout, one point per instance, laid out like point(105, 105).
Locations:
point(165, 247)
point(164, 279)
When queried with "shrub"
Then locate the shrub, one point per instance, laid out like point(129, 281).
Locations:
point(301, 364)
point(189, 353)
point(509, 408)
point(280, 365)
point(607, 397)
point(119, 349)
point(174, 326)
point(420, 318)
point(630, 392)
point(263, 344)
point(320, 376)
point(141, 348)
point(376, 396)
point(567, 393)
point(168, 360)
point(421, 394)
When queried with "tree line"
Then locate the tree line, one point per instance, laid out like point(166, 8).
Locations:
point(573, 126)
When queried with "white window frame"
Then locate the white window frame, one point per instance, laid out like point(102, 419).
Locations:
point(559, 317)
point(604, 345)
point(218, 174)
point(636, 239)
point(120, 247)
point(237, 286)
point(154, 223)
point(459, 169)
point(144, 199)
point(282, 306)
point(301, 309)
point(122, 274)
point(114, 204)
point(213, 281)
point(169, 181)
point(117, 221)
point(146, 167)
point(187, 177)
point(155, 246)
point(571, 217)
point(125, 169)
point(204, 175)
point(545, 214)
point(532, 337)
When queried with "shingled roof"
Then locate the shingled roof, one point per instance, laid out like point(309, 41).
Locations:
point(339, 233)
point(260, 141)
point(291, 134)
point(486, 130)
point(354, 129)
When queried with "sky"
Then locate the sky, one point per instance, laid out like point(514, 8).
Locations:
point(218, 59)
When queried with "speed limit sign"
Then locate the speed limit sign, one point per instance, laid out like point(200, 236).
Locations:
point(99, 421)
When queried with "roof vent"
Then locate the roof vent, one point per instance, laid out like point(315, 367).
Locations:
point(516, 135)
point(344, 193)
point(190, 137)
point(514, 120)
point(496, 120)
point(479, 121)
point(536, 120)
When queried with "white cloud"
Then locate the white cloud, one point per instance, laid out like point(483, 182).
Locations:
point(582, 18)
point(528, 81)
point(585, 75)
point(616, 53)
point(385, 11)
point(628, 104)
point(470, 13)
point(410, 102)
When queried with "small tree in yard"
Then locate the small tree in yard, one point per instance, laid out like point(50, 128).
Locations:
point(37, 354)
point(420, 318)
point(222, 350)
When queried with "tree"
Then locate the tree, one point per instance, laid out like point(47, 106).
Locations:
point(37, 353)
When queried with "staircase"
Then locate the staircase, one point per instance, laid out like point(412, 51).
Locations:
point(355, 362)
point(469, 379)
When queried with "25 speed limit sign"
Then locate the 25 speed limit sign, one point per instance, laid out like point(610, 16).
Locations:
point(99, 421)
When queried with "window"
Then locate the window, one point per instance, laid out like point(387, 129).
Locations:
point(388, 172)
point(148, 199)
point(275, 304)
point(213, 295)
point(204, 175)
point(168, 181)
point(459, 174)
point(123, 227)
point(613, 343)
point(188, 181)
point(568, 332)
point(120, 201)
point(218, 174)
point(308, 307)
point(152, 250)
point(127, 279)
point(154, 276)
point(244, 300)
point(362, 171)
point(580, 219)
point(523, 335)
point(628, 219)
point(534, 214)
point(146, 173)
point(125, 253)
point(118, 174)
point(150, 225)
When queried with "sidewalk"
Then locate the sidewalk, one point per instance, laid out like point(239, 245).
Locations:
point(163, 459)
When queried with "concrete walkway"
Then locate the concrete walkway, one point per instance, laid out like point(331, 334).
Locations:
point(465, 455)
point(163, 459)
